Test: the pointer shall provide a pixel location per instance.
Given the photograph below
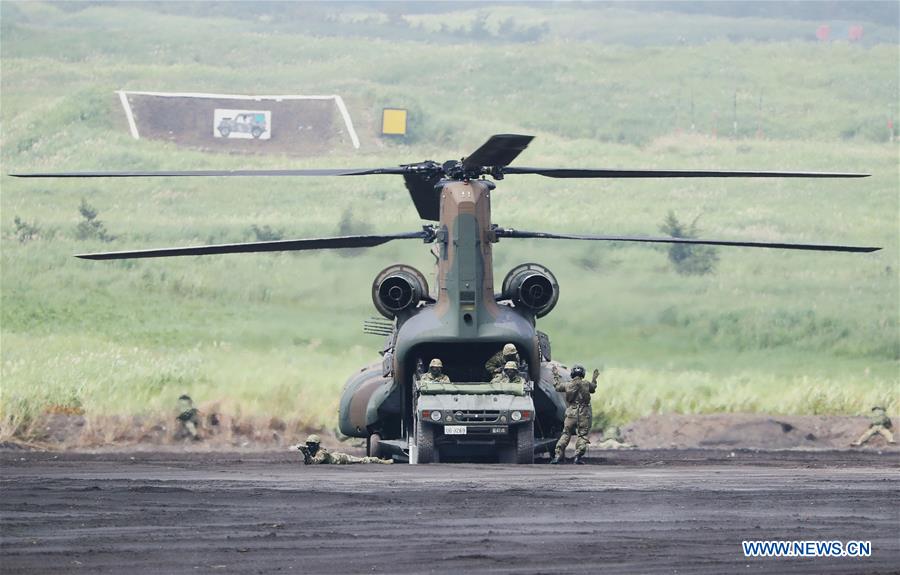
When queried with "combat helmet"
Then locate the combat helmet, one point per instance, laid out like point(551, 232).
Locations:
point(577, 371)
point(436, 363)
point(315, 439)
point(511, 365)
point(510, 349)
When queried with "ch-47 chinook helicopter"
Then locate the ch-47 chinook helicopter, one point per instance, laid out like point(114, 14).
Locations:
point(464, 320)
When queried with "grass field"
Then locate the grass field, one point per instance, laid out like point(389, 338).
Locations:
point(277, 334)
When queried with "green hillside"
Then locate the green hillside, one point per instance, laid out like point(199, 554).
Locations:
point(277, 334)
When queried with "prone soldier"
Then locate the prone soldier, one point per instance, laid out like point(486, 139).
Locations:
point(612, 439)
point(315, 454)
point(188, 418)
point(578, 412)
point(879, 423)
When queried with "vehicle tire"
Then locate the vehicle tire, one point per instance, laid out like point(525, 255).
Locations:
point(425, 442)
point(256, 132)
point(525, 443)
point(225, 131)
point(373, 445)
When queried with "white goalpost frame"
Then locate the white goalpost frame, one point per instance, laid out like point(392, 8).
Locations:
point(342, 108)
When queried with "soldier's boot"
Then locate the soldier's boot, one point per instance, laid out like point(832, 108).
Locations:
point(558, 458)
point(578, 460)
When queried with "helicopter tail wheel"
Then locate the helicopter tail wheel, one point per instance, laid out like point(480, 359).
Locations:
point(425, 443)
point(373, 446)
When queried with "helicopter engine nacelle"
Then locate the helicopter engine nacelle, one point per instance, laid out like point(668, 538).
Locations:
point(533, 287)
point(398, 288)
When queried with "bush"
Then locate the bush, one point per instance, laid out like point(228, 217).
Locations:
point(90, 227)
point(26, 232)
point(266, 233)
point(348, 226)
point(685, 258)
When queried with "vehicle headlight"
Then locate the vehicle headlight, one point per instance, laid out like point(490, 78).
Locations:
point(435, 416)
point(516, 416)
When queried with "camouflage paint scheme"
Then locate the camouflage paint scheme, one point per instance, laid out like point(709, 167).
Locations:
point(464, 327)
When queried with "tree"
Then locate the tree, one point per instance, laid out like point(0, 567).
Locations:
point(688, 259)
point(90, 227)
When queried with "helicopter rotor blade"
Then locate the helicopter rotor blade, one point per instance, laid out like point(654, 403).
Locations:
point(590, 173)
point(193, 173)
point(498, 151)
point(509, 233)
point(367, 241)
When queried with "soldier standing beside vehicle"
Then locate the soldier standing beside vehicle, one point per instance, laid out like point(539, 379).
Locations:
point(879, 423)
point(315, 454)
point(188, 419)
point(578, 412)
point(495, 364)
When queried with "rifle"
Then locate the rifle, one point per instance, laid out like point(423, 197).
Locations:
point(307, 458)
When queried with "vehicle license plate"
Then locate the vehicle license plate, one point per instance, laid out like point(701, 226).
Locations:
point(455, 430)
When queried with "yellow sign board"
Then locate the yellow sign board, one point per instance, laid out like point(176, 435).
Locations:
point(393, 122)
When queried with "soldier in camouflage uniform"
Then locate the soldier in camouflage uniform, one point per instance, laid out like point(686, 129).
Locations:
point(612, 439)
point(188, 419)
point(435, 373)
point(578, 412)
point(495, 365)
point(879, 423)
point(510, 374)
point(315, 454)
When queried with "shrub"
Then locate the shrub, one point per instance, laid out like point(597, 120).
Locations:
point(90, 227)
point(266, 233)
point(26, 232)
point(685, 258)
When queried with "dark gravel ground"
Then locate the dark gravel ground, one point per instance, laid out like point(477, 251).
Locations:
point(645, 511)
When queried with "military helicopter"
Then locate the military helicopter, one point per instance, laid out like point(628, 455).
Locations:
point(464, 320)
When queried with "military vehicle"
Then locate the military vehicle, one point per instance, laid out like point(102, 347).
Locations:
point(463, 320)
point(247, 123)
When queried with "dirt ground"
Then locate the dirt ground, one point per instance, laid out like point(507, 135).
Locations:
point(641, 511)
point(61, 431)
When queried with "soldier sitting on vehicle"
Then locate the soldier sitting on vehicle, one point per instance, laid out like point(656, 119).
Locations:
point(315, 454)
point(435, 373)
point(495, 364)
point(510, 374)
point(612, 439)
point(188, 419)
point(879, 423)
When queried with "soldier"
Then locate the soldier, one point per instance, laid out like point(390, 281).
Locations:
point(435, 373)
point(578, 412)
point(510, 374)
point(495, 365)
point(612, 439)
point(188, 418)
point(315, 454)
point(879, 423)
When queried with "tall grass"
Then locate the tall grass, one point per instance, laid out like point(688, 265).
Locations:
point(276, 334)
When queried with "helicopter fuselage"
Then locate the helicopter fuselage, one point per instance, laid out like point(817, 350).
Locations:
point(463, 325)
